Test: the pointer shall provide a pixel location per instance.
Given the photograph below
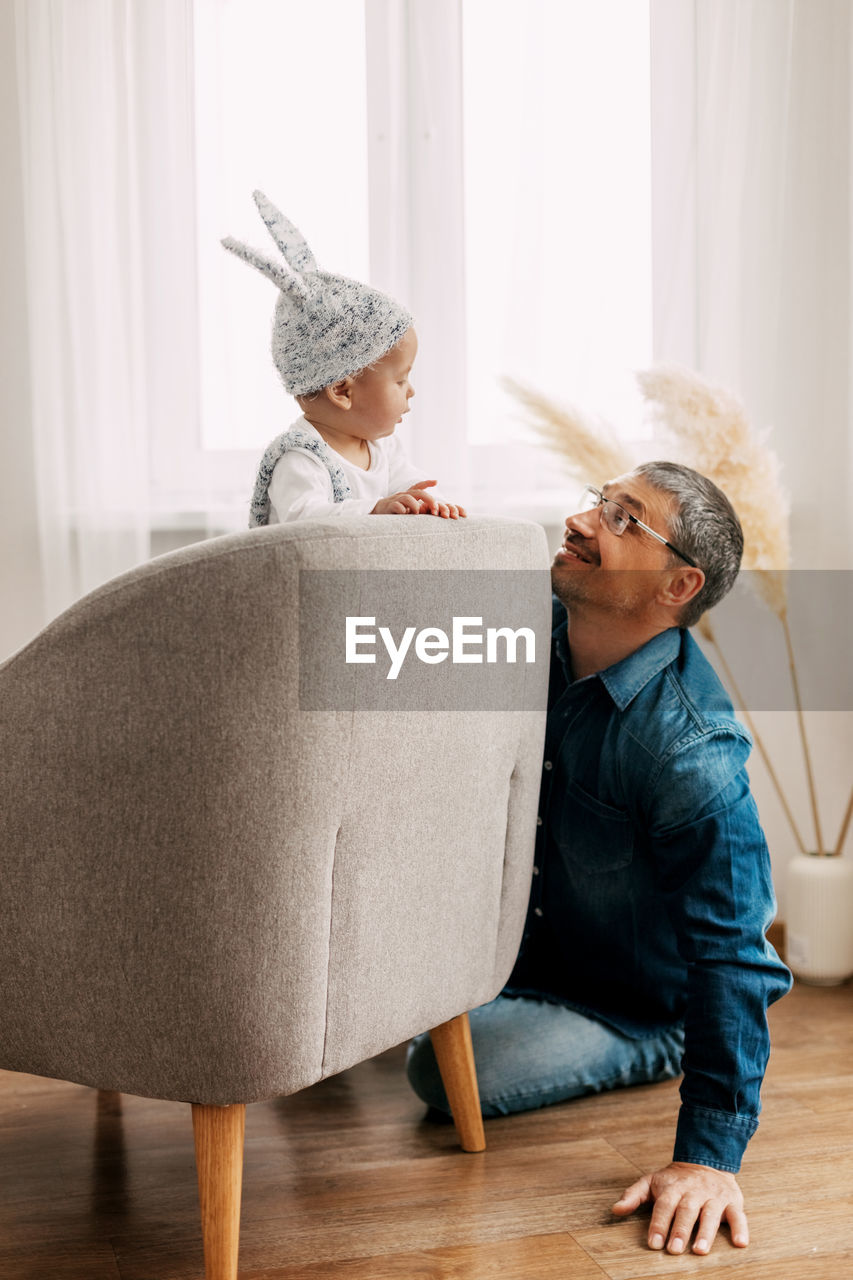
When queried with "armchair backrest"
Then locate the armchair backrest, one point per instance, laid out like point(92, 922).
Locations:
point(213, 894)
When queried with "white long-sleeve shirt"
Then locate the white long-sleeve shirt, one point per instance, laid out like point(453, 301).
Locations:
point(301, 489)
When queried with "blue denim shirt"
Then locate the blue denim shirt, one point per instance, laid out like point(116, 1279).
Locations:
point(652, 889)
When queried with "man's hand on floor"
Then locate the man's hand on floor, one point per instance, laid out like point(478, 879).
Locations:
point(684, 1195)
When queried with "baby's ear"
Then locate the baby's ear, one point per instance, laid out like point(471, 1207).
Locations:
point(289, 238)
point(339, 393)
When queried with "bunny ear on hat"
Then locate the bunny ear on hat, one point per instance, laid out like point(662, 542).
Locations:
point(289, 238)
point(326, 326)
point(286, 280)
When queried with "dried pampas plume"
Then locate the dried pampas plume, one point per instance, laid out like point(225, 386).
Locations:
point(587, 445)
point(708, 425)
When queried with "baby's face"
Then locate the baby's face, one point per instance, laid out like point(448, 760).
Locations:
point(381, 394)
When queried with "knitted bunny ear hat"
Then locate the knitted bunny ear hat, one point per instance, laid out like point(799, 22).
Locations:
point(326, 327)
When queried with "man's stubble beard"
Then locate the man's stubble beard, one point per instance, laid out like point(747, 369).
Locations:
point(618, 591)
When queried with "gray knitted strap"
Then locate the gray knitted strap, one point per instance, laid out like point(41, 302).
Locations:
point(295, 438)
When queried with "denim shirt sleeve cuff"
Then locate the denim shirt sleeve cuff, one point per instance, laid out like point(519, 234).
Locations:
point(714, 1138)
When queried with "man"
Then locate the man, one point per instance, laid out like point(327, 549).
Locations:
point(644, 951)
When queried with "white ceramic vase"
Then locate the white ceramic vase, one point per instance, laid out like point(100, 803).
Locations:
point(819, 919)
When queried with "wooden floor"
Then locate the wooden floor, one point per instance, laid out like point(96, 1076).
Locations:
point(347, 1182)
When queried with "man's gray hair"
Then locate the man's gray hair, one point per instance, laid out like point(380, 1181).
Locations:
point(703, 525)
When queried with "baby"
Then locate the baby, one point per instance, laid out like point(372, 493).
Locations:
point(345, 352)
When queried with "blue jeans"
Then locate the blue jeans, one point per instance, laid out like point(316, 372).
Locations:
point(530, 1053)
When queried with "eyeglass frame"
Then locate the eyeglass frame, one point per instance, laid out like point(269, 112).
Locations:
point(590, 488)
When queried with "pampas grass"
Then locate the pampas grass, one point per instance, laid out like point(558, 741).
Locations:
point(710, 425)
point(707, 428)
point(588, 445)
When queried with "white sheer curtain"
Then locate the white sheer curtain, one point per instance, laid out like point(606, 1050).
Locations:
point(509, 203)
point(751, 124)
point(415, 129)
point(107, 150)
point(751, 164)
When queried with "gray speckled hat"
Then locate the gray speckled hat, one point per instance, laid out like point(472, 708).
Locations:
point(326, 327)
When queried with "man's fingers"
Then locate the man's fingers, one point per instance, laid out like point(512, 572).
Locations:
point(635, 1195)
point(686, 1195)
point(682, 1224)
point(709, 1222)
point(421, 484)
point(661, 1220)
point(738, 1226)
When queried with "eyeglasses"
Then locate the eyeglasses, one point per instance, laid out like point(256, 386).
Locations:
point(615, 518)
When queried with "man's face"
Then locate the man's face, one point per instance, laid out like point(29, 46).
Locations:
point(623, 572)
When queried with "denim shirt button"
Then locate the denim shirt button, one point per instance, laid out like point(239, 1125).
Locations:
point(547, 765)
point(537, 911)
point(539, 822)
point(536, 871)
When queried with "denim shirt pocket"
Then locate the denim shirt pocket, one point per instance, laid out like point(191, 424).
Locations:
point(593, 836)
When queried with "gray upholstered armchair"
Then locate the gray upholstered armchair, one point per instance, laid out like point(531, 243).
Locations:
point(219, 886)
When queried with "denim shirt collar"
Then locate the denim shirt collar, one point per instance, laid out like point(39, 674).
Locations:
point(624, 680)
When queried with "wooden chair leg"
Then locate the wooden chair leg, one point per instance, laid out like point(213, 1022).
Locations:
point(109, 1172)
point(455, 1055)
point(219, 1135)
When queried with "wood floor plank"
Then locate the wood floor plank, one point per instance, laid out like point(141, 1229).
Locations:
point(58, 1261)
point(836, 1266)
point(784, 1236)
point(379, 1232)
point(550, 1257)
point(348, 1181)
point(805, 1132)
point(832, 1094)
point(577, 1166)
point(456, 1202)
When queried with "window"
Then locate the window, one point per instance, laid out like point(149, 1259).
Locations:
point(266, 119)
point(552, 125)
point(557, 209)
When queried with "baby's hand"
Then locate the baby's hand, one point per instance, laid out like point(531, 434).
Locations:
point(450, 511)
point(412, 501)
point(416, 501)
